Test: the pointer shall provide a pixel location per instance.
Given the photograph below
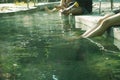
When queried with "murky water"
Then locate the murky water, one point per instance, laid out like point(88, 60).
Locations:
point(35, 47)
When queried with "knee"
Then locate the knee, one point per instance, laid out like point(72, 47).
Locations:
point(107, 22)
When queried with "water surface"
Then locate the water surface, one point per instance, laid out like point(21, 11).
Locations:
point(35, 47)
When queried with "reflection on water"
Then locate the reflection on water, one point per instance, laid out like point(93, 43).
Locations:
point(33, 47)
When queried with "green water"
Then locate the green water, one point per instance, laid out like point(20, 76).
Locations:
point(35, 47)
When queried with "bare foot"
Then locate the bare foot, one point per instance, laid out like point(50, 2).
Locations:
point(47, 10)
point(59, 7)
point(73, 38)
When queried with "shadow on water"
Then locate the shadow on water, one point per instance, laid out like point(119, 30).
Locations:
point(33, 48)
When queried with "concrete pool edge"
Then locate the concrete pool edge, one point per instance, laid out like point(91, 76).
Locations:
point(19, 10)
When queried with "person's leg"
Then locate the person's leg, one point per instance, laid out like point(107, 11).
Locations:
point(76, 11)
point(56, 8)
point(49, 10)
point(62, 2)
point(98, 24)
point(73, 11)
point(105, 24)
